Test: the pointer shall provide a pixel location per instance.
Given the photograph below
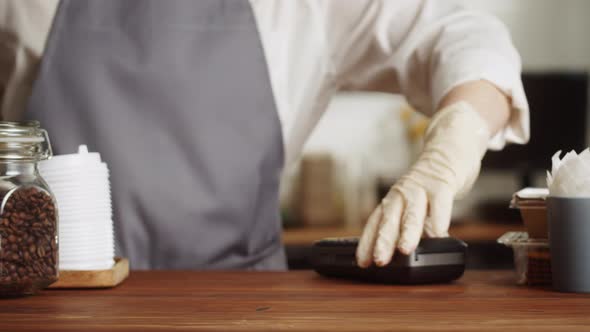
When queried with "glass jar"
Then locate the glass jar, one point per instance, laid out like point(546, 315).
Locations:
point(28, 212)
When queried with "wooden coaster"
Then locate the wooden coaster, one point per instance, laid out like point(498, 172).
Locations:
point(94, 279)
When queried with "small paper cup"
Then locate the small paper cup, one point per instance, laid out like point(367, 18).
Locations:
point(535, 221)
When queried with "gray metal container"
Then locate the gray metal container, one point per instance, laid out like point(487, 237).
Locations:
point(569, 240)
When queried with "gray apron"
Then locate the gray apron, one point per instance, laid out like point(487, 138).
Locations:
point(176, 97)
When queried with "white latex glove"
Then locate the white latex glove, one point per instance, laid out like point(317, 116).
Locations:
point(455, 142)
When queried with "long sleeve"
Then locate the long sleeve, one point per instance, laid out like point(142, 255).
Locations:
point(422, 49)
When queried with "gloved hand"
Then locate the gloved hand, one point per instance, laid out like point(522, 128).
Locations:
point(455, 142)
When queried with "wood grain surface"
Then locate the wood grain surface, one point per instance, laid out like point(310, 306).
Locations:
point(297, 301)
point(94, 279)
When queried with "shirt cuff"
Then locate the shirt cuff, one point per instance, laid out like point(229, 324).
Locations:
point(508, 80)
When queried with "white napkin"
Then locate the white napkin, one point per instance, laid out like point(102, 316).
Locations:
point(533, 197)
point(570, 175)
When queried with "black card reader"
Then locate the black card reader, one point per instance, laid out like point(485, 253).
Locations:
point(435, 260)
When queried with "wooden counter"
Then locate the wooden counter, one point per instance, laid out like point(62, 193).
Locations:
point(297, 301)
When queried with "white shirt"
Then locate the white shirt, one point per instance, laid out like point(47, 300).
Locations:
point(421, 49)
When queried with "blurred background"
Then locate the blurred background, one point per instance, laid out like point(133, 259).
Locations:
point(365, 141)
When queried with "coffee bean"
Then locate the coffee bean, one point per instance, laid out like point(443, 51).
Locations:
point(28, 240)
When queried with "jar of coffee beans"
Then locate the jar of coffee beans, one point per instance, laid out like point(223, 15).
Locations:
point(28, 212)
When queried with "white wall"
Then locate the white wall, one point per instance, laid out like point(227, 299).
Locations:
point(549, 34)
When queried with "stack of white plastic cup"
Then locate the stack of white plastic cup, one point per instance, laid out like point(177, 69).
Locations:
point(80, 183)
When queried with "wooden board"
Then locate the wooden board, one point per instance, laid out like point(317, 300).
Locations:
point(94, 279)
point(297, 301)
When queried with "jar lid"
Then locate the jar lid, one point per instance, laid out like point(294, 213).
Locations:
point(25, 141)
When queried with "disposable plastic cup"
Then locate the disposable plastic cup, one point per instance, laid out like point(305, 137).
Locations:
point(72, 248)
point(76, 201)
point(90, 253)
point(77, 224)
point(69, 175)
point(65, 162)
point(86, 266)
point(79, 157)
point(85, 187)
point(80, 189)
point(80, 205)
point(81, 202)
point(86, 248)
point(88, 213)
point(80, 238)
point(86, 228)
point(84, 212)
point(75, 178)
point(101, 212)
point(86, 242)
point(79, 184)
point(86, 260)
point(90, 220)
point(87, 245)
point(73, 200)
point(82, 250)
point(73, 220)
point(84, 238)
point(83, 264)
point(87, 255)
point(86, 231)
point(78, 250)
point(66, 198)
point(87, 252)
